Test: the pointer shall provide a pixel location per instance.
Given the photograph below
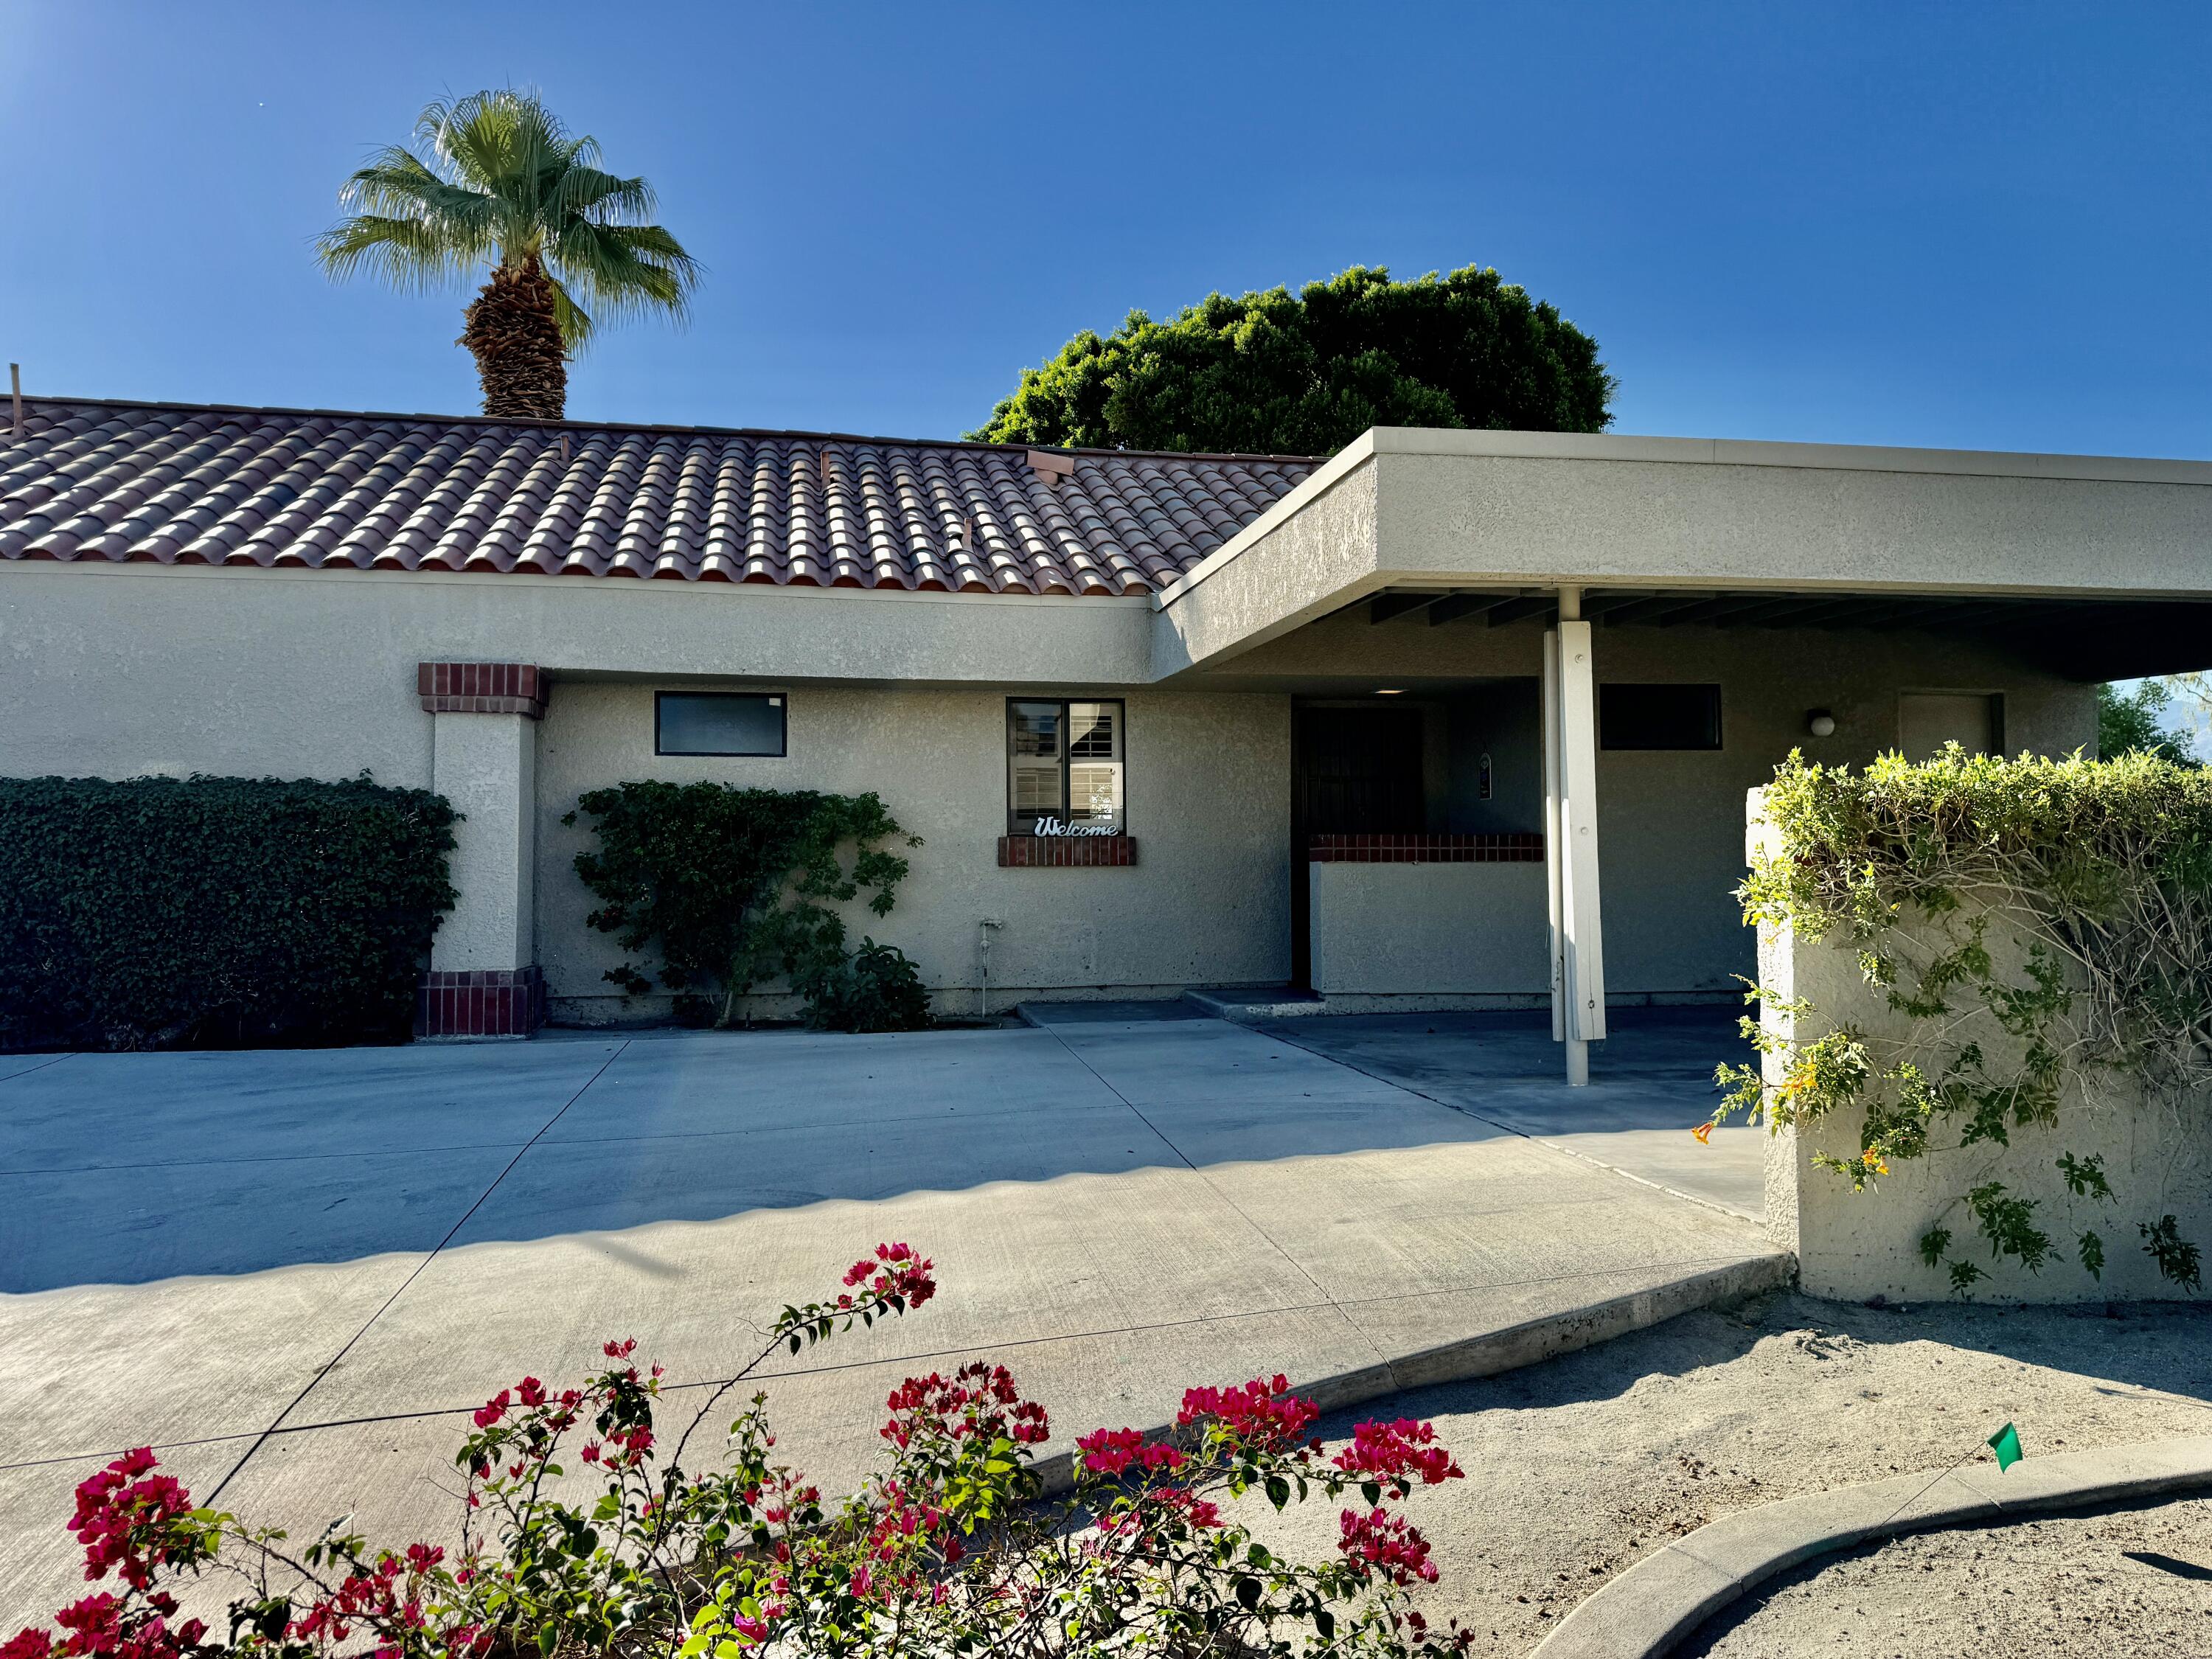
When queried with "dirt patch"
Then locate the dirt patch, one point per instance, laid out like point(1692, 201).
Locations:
point(2136, 1582)
point(1578, 1467)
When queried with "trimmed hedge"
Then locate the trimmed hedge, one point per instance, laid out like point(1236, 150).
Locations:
point(215, 912)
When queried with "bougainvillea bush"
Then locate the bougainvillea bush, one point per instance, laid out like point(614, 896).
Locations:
point(580, 1532)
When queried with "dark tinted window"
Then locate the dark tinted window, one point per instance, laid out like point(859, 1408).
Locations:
point(1659, 716)
point(718, 723)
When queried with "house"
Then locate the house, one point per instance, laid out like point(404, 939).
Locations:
point(1449, 719)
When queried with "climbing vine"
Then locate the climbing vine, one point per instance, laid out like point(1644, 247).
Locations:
point(732, 886)
point(2043, 930)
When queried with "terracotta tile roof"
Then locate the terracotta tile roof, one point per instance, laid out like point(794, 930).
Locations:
point(181, 484)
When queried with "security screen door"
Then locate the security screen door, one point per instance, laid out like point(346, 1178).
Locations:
point(1353, 772)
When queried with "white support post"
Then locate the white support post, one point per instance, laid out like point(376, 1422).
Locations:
point(1571, 853)
point(1556, 935)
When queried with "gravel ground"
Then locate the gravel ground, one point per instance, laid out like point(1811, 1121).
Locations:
point(2131, 1584)
point(1579, 1467)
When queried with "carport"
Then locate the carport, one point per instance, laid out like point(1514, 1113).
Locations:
point(1669, 618)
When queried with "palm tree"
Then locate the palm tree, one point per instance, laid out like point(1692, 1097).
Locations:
point(501, 181)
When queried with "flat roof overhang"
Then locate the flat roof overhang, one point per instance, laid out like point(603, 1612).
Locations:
point(2092, 567)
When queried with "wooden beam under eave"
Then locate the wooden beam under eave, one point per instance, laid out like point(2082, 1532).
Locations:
point(1658, 606)
point(1513, 610)
point(1453, 606)
point(1384, 606)
point(1729, 604)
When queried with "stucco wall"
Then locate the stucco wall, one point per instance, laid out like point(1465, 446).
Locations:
point(117, 671)
point(1207, 792)
point(1856, 1245)
point(1415, 930)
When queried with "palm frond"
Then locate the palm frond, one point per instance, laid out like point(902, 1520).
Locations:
point(577, 325)
point(411, 255)
point(469, 219)
point(602, 197)
point(626, 270)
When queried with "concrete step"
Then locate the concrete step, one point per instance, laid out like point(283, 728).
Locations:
point(1247, 1003)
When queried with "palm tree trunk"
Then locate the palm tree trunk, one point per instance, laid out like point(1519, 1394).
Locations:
point(516, 340)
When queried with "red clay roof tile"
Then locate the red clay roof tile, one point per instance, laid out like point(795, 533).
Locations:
point(187, 484)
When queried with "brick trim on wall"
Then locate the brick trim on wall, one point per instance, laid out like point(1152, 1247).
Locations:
point(482, 688)
point(1426, 849)
point(481, 1002)
point(1066, 852)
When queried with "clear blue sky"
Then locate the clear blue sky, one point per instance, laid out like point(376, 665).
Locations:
point(1973, 225)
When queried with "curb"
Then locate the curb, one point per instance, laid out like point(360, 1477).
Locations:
point(1646, 1611)
point(1515, 1345)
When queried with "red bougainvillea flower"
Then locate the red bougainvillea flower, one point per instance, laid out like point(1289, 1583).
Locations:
point(125, 1518)
point(1197, 1512)
point(898, 1270)
point(1264, 1413)
point(1114, 1451)
point(28, 1644)
point(1386, 1545)
point(1403, 1452)
point(621, 1350)
point(493, 1409)
point(530, 1392)
point(980, 1400)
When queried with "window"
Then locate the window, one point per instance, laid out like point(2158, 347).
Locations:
point(1064, 769)
point(1659, 716)
point(718, 723)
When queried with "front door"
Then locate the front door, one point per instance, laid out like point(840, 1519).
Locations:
point(1355, 771)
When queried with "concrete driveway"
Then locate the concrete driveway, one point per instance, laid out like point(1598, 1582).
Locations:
point(293, 1273)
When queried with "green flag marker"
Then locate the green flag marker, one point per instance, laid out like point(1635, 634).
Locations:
point(2005, 1442)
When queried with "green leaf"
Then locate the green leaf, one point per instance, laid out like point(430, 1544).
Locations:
point(1933, 1243)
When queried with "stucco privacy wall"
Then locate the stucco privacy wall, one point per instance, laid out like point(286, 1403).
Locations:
point(1851, 1246)
point(1401, 504)
point(1404, 931)
point(1207, 792)
point(1670, 829)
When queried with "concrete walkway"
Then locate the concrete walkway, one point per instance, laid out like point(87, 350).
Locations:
point(293, 1272)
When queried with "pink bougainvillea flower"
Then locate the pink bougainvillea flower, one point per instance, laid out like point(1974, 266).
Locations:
point(1264, 1413)
point(126, 1519)
point(1114, 1451)
point(898, 1270)
point(1386, 1545)
point(1404, 1451)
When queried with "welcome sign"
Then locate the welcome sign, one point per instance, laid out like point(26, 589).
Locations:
point(1052, 826)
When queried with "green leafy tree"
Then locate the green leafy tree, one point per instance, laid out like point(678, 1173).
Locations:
point(1304, 375)
point(2135, 723)
point(502, 183)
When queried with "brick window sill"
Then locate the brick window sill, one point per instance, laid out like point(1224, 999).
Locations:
point(1066, 852)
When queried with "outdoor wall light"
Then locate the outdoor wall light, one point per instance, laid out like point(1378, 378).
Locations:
point(1821, 723)
point(1389, 691)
